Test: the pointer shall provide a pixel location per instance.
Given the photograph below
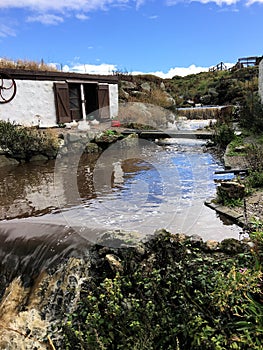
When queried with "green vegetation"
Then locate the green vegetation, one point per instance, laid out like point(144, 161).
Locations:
point(254, 157)
point(22, 143)
point(223, 135)
point(215, 88)
point(107, 137)
point(251, 114)
point(208, 88)
point(171, 294)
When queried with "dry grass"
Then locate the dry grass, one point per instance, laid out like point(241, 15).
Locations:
point(156, 97)
point(26, 65)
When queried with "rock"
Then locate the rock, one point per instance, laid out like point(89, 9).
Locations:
point(2, 152)
point(211, 245)
point(114, 262)
point(4, 161)
point(231, 246)
point(39, 158)
point(180, 237)
point(196, 240)
point(83, 125)
point(123, 94)
point(94, 122)
point(128, 85)
point(138, 93)
point(76, 137)
point(146, 87)
point(169, 99)
point(118, 238)
point(92, 147)
point(162, 86)
point(230, 190)
point(240, 149)
point(129, 141)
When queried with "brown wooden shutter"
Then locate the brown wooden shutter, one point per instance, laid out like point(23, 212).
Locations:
point(103, 101)
point(62, 102)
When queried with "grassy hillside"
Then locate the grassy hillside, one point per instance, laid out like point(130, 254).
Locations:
point(207, 88)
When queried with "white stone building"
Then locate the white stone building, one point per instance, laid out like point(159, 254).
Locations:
point(51, 98)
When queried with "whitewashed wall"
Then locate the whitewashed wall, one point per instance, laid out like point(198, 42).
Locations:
point(260, 80)
point(32, 99)
point(113, 92)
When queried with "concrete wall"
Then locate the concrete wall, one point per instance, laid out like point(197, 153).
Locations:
point(260, 80)
point(34, 104)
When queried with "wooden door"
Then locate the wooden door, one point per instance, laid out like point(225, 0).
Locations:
point(103, 101)
point(62, 102)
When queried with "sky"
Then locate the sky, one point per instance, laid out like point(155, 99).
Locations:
point(161, 37)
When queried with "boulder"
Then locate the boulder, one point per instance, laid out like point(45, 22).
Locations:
point(39, 158)
point(4, 161)
point(231, 190)
point(127, 85)
point(162, 86)
point(146, 87)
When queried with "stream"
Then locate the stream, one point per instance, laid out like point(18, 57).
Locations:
point(140, 188)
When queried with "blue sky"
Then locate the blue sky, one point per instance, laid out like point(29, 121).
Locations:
point(164, 37)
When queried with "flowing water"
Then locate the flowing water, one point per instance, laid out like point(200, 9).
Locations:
point(143, 188)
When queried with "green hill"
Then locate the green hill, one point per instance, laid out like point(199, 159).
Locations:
point(207, 88)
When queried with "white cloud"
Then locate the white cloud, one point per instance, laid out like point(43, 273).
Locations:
point(82, 16)
point(60, 5)
point(83, 6)
point(251, 2)
point(139, 3)
point(48, 19)
point(101, 69)
point(217, 2)
point(108, 69)
point(182, 71)
point(6, 31)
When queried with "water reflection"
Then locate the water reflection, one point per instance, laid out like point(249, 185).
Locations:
point(26, 190)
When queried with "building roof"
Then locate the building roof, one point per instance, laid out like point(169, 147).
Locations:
point(23, 74)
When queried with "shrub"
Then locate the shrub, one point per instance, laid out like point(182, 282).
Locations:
point(223, 135)
point(255, 179)
point(172, 296)
point(255, 157)
point(251, 113)
point(23, 142)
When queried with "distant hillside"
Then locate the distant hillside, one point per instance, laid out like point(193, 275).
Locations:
point(206, 88)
